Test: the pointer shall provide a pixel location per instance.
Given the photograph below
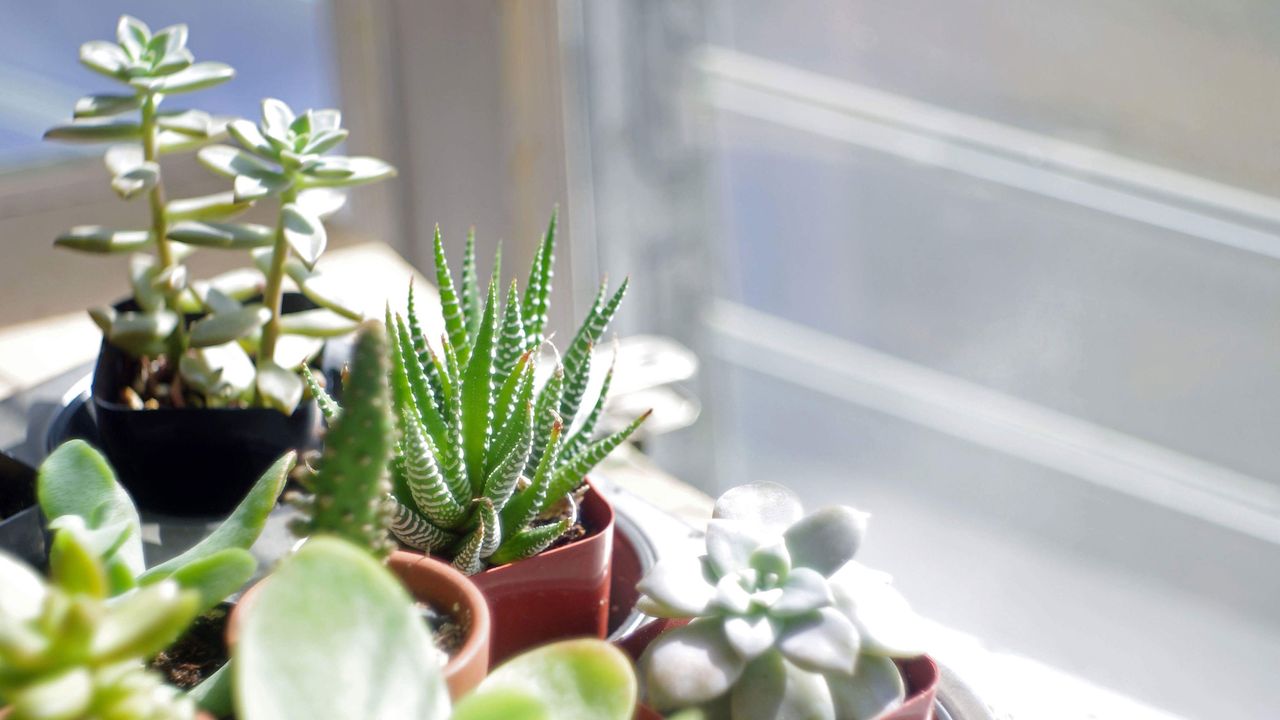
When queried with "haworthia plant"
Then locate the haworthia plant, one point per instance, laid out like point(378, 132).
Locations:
point(349, 489)
point(150, 66)
point(785, 623)
point(240, 348)
point(487, 463)
point(68, 651)
point(77, 488)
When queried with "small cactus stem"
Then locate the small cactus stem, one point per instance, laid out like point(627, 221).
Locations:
point(328, 406)
point(422, 474)
point(416, 531)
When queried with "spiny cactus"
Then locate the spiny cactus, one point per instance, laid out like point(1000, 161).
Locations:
point(486, 466)
point(785, 623)
point(349, 489)
point(68, 652)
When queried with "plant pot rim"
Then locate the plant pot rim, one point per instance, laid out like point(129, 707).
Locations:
point(468, 665)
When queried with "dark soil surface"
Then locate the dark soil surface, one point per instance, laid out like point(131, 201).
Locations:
point(447, 628)
point(197, 654)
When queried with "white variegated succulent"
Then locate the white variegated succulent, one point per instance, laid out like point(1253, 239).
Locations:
point(785, 623)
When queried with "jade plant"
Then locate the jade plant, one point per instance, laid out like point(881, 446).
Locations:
point(292, 660)
point(487, 465)
point(349, 488)
point(77, 489)
point(226, 341)
point(784, 622)
point(68, 651)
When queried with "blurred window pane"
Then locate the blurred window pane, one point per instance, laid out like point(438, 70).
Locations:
point(279, 49)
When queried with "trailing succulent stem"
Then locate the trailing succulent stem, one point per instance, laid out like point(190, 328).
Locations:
point(486, 467)
point(350, 487)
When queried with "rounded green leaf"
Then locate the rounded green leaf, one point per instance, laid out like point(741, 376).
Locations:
point(224, 327)
point(104, 57)
point(772, 688)
point(67, 695)
point(103, 105)
point(689, 666)
point(213, 577)
point(573, 679)
point(198, 76)
point(504, 704)
point(805, 590)
point(231, 161)
point(750, 636)
point(235, 236)
point(137, 180)
point(317, 323)
point(827, 539)
point(206, 207)
point(144, 622)
point(345, 171)
point(276, 118)
point(133, 35)
point(279, 387)
point(142, 333)
point(256, 186)
point(98, 239)
point(872, 691)
point(377, 663)
point(824, 641)
point(769, 506)
point(193, 123)
point(730, 544)
point(676, 587)
point(77, 480)
point(304, 232)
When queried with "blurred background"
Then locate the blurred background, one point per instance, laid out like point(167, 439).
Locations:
point(1004, 274)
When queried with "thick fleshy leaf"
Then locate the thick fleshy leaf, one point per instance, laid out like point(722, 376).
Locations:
point(206, 207)
point(99, 239)
point(196, 77)
point(192, 123)
point(827, 539)
point(142, 277)
point(730, 544)
point(769, 506)
point(285, 670)
point(123, 158)
point(215, 576)
point(345, 171)
point(143, 622)
point(676, 587)
point(731, 597)
point(221, 371)
point(771, 688)
point(133, 35)
point(142, 333)
point(304, 232)
point(824, 641)
point(231, 161)
point(276, 118)
point(248, 188)
point(23, 591)
point(234, 236)
point(77, 480)
point(136, 181)
point(771, 560)
point(321, 202)
point(884, 619)
point(279, 387)
point(327, 291)
point(104, 57)
point(66, 695)
point(295, 351)
point(222, 328)
point(873, 690)
point(572, 679)
point(242, 528)
point(317, 323)
point(104, 105)
point(250, 137)
point(502, 704)
point(804, 590)
point(689, 666)
point(750, 636)
point(325, 140)
point(95, 130)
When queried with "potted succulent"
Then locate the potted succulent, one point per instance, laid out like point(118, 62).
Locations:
point(69, 651)
point(783, 622)
point(349, 498)
point(196, 389)
point(490, 470)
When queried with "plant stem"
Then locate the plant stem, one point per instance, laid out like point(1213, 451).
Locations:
point(273, 296)
point(160, 225)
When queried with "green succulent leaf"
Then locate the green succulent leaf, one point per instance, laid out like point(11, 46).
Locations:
point(874, 689)
point(570, 680)
point(689, 666)
point(279, 387)
point(328, 406)
point(95, 129)
point(470, 289)
point(450, 305)
point(216, 576)
point(135, 181)
point(772, 688)
point(234, 236)
point(304, 232)
point(276, 119)
point(104, 57)
point(537, 294)
point(144, 622)
point(142, 333)
point(206, 207)
point(317, 323)
point(229, 161)
point(477, 396)
point(98, 239)
point(142, 277)
point(195, 77)
point(221, 328)
point(192, 123)
point(91, 106)
point(826, 539)
point(336, 171)
point(571, 473)
point(247, 188)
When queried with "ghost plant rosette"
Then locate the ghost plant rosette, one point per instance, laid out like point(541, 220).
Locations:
point(785, 624)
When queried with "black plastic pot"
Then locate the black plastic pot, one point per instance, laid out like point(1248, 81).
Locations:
point(21, 526)
point(193, 462)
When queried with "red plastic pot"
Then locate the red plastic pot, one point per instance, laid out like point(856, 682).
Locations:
point(440, 586)
point(558, 594)
point(920, 674)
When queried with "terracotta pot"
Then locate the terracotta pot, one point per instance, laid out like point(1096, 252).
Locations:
point(429, 581)
point(558, 594)
point(440, 586)
point(921, 675)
